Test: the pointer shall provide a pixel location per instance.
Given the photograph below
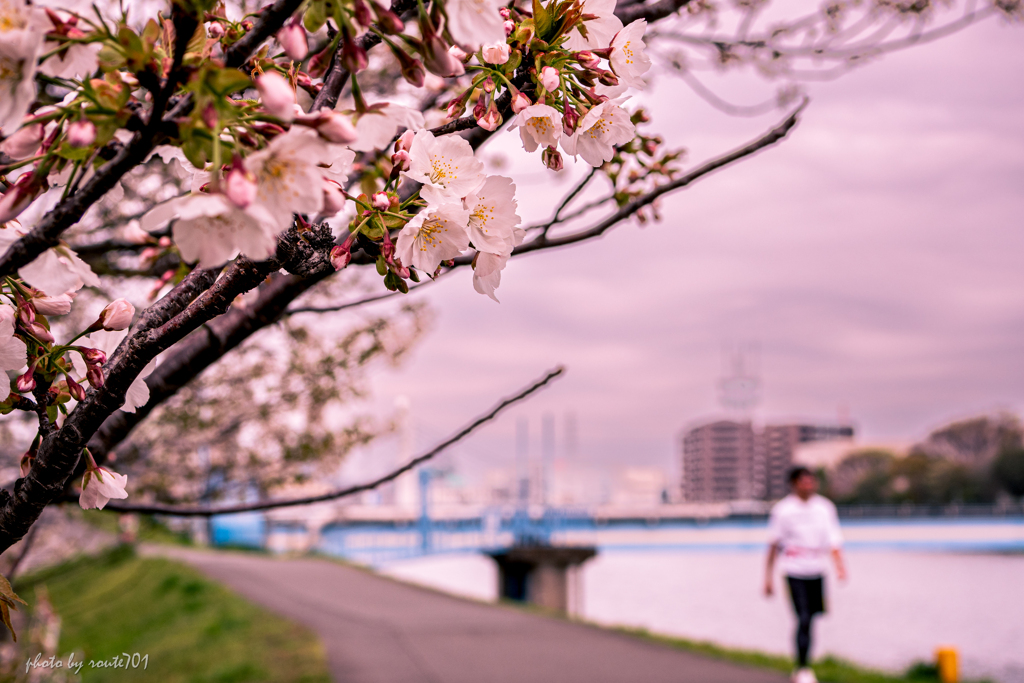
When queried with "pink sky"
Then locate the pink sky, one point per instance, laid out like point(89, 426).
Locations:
point(875, 257)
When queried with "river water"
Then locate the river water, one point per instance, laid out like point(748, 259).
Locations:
point(896, 608)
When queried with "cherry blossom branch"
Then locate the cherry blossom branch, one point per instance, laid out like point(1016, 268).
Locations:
point(70, 211)
point(47, 233)
point(337, 76)
point(651, 12)
point(542, 241)
point(206, 511)
point(198, 352)
point(271, 19)
point(59, 450)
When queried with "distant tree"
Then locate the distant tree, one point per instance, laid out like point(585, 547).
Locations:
point(1008, 471)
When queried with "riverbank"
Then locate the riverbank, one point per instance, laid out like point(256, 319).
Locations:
point(184, 627)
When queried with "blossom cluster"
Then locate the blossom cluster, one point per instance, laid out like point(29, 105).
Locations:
point(79, 82)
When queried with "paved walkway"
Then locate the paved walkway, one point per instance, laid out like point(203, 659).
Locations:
point(377, 630)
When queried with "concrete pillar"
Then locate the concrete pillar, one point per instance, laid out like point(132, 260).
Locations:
point(541, 575)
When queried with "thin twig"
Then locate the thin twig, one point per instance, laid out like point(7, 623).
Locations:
point(768, 139)
point(361, 302)
point(26, 546)
point(207, 511)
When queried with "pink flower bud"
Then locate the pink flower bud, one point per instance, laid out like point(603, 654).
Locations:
point(456, 107)
point(76, 390)
point(117, 315)
point(53, 305)
point(19, 196)
point(587, 59)
point(549, 78)
point(24, 142)
point(292, 38)
point(215, 30)
point(26, 382)
point(412, 68)
point(404, 142)
point(608, 78)
point(400, 161)
point(505, 12)
point(81, 133)
point(496, 53)
point(95, 376)
point(353, 55)
point(458, 53)
point(240, 184)
point(148, 256)
point(93, 356)
point(26, 313)
point(569, 120)
point(340, 256)
point(277, 95)
point(488, 84)
point(381, 202)
point(491, 119)
point(39, 332)
point(552, 159)
point(439, 59)
point(520, 102)
point(388, 20)
point(335, 127)
point(334, 198)
point(509, 26)
point(364, 17)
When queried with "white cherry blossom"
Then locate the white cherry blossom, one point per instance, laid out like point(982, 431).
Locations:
point(487, 267)
point(21, 39)
point(446, 166)
point(600, 31)
point(628, 59)
point(539, 124)
point(475, 22)
point(12, 349)
point(76, 60)
point(434, 235)
point(288, 175)
point(56, 271)
point(487, 273)
point(604, 126)
point(492, 215)
point(377, 127)
point(99, 486)
point(210, 229)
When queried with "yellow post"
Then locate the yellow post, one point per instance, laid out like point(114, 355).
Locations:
point(945, 660)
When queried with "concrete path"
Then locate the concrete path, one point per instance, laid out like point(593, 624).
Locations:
point(377, 630)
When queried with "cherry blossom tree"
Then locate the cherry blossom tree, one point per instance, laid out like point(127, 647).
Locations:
point(201, 153)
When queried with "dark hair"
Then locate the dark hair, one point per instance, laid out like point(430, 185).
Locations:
point(798, 472)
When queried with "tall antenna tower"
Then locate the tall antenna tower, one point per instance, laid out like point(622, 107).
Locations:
point(740, 386)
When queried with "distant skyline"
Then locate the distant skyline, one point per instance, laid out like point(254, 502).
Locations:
point(875, 259)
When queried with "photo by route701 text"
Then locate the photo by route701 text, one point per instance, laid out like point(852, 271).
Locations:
point(121, 661)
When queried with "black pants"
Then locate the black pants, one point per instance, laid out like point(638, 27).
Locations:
point(808, 599)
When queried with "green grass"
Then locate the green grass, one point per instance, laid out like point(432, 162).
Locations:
point(151, 530)
point(194, 630)
point(829, 669)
